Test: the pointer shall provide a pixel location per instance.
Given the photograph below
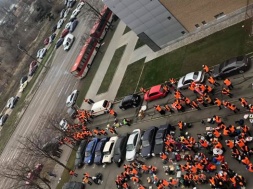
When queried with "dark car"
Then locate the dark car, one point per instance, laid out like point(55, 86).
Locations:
point(62, 13)
point(59, 43)
point(232, 66)
point(73, 25)
point(90, 151)
point(73, 185)
point(147, 141)
point(54, 28)
point(80, 154)
point(3, 119)
point(64, 33)
point(52, 37)
point(130, 101)
point(120, 150)
point(71, 3)
point(99, 150)
point(163, 130)
point(33, 67)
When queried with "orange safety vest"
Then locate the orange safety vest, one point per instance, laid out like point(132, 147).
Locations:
point(225, 91)
point(211, 80)
point(180, 125)
point(206, 68)
point(217, 102)
point(230, 144)
point(227, 82)
point(158, 108)
point(216, 133)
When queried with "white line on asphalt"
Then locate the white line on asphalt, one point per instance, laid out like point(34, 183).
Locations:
point(67, 89)
point(60, 91)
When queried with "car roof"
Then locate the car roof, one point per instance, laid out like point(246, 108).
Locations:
point(155, 89)
point(147, 132)
point(119, 141)
point(160, 133)
point(127, 98)
point(131, 137)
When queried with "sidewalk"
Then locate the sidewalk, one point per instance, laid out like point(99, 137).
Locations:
point(130, 56)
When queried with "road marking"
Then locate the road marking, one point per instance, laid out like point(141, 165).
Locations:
point(60, 91)
point(67, 89)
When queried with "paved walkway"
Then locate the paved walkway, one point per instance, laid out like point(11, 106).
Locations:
point(130, 56)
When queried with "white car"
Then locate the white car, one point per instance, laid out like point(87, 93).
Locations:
point(109, 150)
point(75, 13)
point(59, 23)
point(63, 124)
point(23, 83)
point(185, 81)
point(68, 41)
point(41, 53)
point(11, 102)
point(71, 100)
point(80, 5)
point(67, 26)
point(132, 144)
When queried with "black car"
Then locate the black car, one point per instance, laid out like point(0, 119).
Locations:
point(73, 25)
point(59, 43)
point(120, 150)
point(99, 150)
point(54, 28)
point(147, 141)
point(130, 101)
point(232, 66)
point(23, 79)
point(163, 130)
point(62, 13)
point(80, 154)
point(71, 3)
point(52, 37)
point(73, 185)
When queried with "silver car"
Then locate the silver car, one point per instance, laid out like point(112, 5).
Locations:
point(186, 80)
point(41, 53)
point(59, 23)
point(11, 102)
point(71, 100)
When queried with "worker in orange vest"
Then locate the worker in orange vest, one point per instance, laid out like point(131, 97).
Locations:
point(163, 156)
point(112, 129)
point(212, 81)
point(168, 108)
point(72, 173)
point(135, 179)
point(244, 103)
point(141, 187)
point(251, 108)
point(159, 109)
point(233, 108)
point(200, 100)
point(103, 132)
point(228, 83)
point(250, 167)
point(230, 143)
point(96, 131)
point(112, 112)
point(227, 92)
point(195, 105)
point(206, 69)
point(217, 102)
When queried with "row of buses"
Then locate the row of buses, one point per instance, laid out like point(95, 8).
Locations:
point(91, 46)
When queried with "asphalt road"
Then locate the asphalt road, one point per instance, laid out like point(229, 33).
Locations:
point(242, 88)
point(51, 95)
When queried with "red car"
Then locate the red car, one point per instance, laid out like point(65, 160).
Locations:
point(46, 41)
point(154, 93)
point(64, 33)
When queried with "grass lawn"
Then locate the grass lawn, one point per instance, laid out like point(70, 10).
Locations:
point(111, 70)
point(65, 177)
point(211, 50)
point(85, 83)
point(127, 29)
point(139, 44)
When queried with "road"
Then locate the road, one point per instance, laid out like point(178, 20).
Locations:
point(51, 95)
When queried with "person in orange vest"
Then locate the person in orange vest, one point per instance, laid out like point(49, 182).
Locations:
point(251, 108)
point(217, 102)
point(244, 103)
point(135, 179)
point(200, 100)
point(112, 112)
point(220, 158)
point(246, 129)
point(245, 160)
point(96, 131)
point(204, 143)
point(209, 89)
point(230, 143)
point(249, 167)
point(144, 168)
point(212, 81)
point(142, 90)
point(181, 125)
point(112, 129)
point(173, 82)
point(217, 119)
point(125, 185)
point(89, 101)
point(206, 69)
point(208, 99)
point(152, 169)
point(228, 83)
point(72, 173)
point(217, 134)
point(141, 187)
point(195, 105)
point(103, 132)
point(227, 92)
point(233, 108)
point(168, 108)
point(159, 109)
point(173, 182)
point(166, 89)
point(86, 180)
point(178, 94)
point(163, 156)
point(187, 101)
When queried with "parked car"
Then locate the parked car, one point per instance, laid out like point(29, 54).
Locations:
point(147, 141)
point(63, 124)
point(33, 67)
point(41, 53)
point(154, 93)
point(80, 5)
point(99, 150)
point(62, 13)
point(186, 80)
point(130, 101)
point(72, 112)
point(73, 25)
point(46, 41)
point(71, 100)
point(60, 23)
point(75, 13)
point(71, 3)
point(90, 151)
point(132, 144)
point(3, 119)
point(160, 136)
point(101, 107)
point(73, 185)
point(80, 153)
point(67, 26)
point(64, 33)
point(52, 37)
point(68, 41)
point(11, 102)
point(109, 150)
point(120, 149)
point(59, 43)
point(232, 66)
point(66, 13)
point(23, 83)
point(54, 28)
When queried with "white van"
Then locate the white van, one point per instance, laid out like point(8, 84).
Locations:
point(101, 107)
point(68, 40)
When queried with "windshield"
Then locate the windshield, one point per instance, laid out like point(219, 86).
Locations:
point(98, 153)
point(159, 141)
point(107, 153)
point(130, 147)
point(145, 143)
point(87, 154)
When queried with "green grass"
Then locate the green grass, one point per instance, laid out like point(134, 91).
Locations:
point(127, 29)
point(111, 70)
point(212, 50)
point(131, 82)
point(65, 177)
point(85, 83)
point(139, 44)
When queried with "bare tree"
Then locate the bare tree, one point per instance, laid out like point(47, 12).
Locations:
point(24, 174)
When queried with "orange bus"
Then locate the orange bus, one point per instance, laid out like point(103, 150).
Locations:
point(89, 50)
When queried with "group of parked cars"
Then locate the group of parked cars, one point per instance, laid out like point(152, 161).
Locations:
point(118, 148)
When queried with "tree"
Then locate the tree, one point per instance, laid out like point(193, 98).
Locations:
point(24, 173)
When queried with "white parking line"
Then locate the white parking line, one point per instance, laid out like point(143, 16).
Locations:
point(67, 89)
point(60, 91)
